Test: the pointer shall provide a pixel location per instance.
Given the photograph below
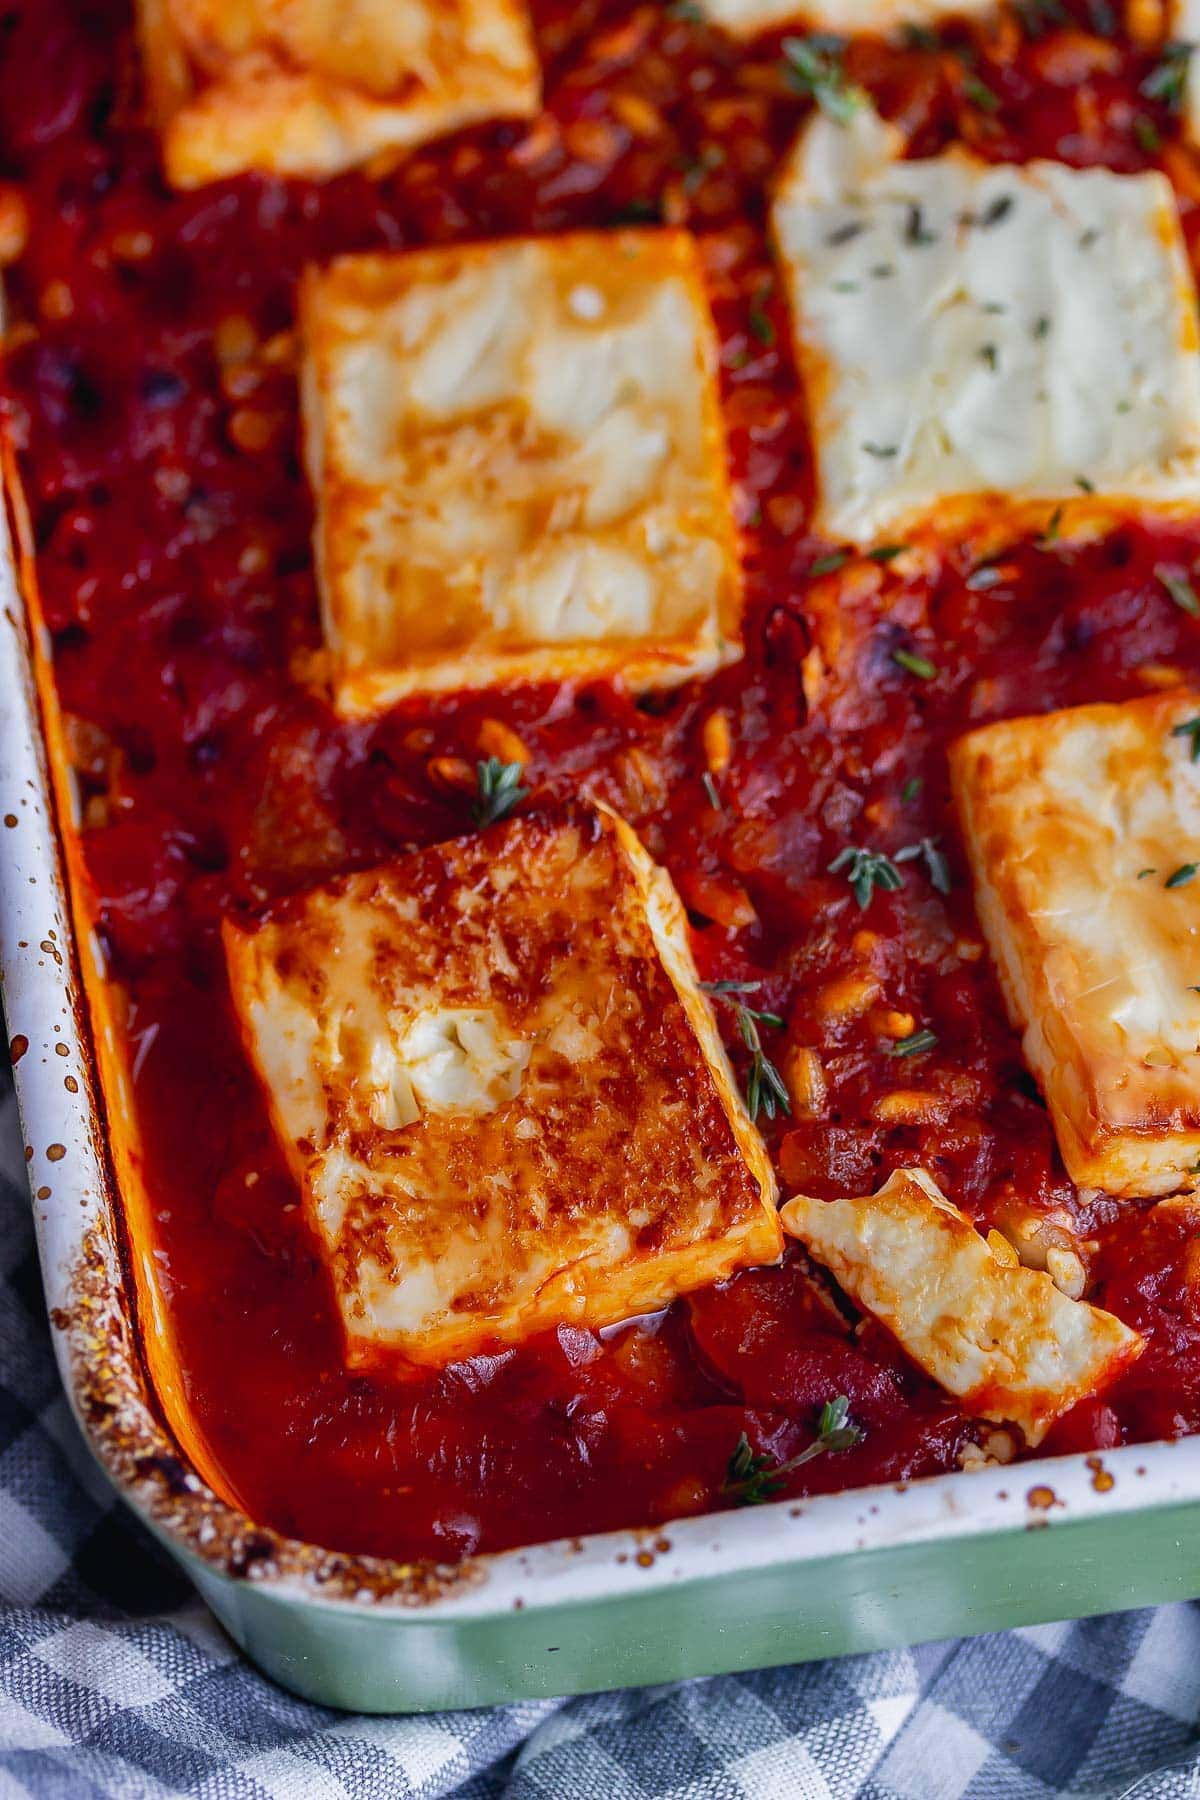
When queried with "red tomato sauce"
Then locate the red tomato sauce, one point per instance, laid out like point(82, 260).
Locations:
point(150, 388)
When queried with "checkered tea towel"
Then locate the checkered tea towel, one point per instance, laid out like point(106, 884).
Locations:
point(115, 1681)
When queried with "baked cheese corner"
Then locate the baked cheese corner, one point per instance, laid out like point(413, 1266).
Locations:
point(999, 1337)
point(1081, 827)
point(501, 1090)
point(303, 87)
point(849, 18)
point(519, 465)
point(971, 332)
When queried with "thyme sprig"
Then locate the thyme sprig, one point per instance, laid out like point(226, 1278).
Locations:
point(866, 870)
point(766, 1090)
point(498, 791)
point(752, 1478)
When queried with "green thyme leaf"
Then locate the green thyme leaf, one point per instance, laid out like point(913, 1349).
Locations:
point(759, 320)
point(828, 565)
point(919, 666)
point(498, 791)
point(1180, 589)
point(936, 866)
point(710, 791)
point(1183, 874)
point(765, 1090)
point(915, 1044)
point(1167, 80)
point(747, 1476)
point(866, 870)
point(814, 66)
point(749, 1019)
point(911, 789)
point(1146, 135)
point(835, 1429)
point(1189, 728)
point(1053, 529)
point(980, 95)
point(886, 553)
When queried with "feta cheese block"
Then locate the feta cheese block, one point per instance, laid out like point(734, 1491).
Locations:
point(974, 333)
point(1000, 1337)
point(501, 1089)
point(312, 87)
point(519, 466)
point(849, 18)
point(1083, 832)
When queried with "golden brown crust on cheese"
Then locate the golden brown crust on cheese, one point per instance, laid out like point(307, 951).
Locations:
point(1075, 823)
point(311, 87)
point(494, 1074)
point(519, 464)
point(1000, 1337)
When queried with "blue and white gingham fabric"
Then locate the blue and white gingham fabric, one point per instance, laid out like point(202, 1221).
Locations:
point(115, 1681)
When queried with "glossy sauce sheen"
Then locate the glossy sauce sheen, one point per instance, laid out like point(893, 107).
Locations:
point(172, 523)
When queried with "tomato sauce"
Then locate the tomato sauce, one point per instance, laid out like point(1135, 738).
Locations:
point(150, 388)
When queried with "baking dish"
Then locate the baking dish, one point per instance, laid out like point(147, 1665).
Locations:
point(960, 1553)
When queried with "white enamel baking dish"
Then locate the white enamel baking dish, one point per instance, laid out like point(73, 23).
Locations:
point(785, 1582)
